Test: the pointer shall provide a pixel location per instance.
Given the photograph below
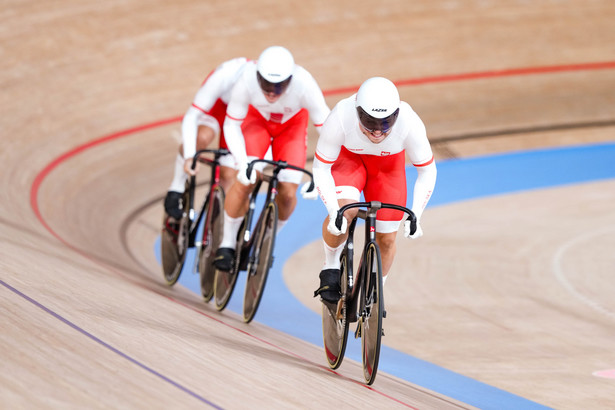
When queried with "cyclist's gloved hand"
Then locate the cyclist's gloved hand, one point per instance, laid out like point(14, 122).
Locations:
point(313, 194)
point(333, 229)
point(243, 177)
point(408, 231)
point(188, 167)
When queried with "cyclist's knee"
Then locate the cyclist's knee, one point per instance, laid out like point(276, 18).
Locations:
point(228, 177)
point(386, 241)
point(205, 136)
point(287, 192)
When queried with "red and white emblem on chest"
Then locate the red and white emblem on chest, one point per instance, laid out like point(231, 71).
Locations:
point(384, 153)
point(276, 117)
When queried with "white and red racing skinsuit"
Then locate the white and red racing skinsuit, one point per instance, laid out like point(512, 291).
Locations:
point(253, 124)
point(348, 163)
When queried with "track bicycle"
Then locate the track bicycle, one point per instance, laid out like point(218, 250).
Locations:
point(178, 237)
point(254, 249)
point(361, 298)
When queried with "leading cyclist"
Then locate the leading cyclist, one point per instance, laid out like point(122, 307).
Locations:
point(362, 148)
point(269, 106)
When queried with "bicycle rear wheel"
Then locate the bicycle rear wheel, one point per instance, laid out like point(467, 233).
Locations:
point(174, 241)
point(371, 317)
point(212, 236)
point(335, 322)
point(224, 282)
point(261, 259)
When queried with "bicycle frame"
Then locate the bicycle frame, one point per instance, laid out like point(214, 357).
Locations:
point(362, 298)
point(214, 165)
point(272, 190)
point(369, 215)
point(175, 245)
point(257, 244)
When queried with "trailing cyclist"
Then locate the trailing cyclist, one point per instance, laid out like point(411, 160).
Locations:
point(362, 148)
point(201, 124)
point(269, 106)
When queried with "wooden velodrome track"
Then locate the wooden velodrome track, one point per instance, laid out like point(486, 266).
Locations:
point(514, 290)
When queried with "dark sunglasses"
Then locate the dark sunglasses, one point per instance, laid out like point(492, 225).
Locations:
point(372, 124)
point(269, 87)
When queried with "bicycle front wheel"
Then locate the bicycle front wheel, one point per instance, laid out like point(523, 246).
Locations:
point(335, 322)
point(212, 236)
point(261, 259)
point(174, 241)
point(371, 316)
point(224, 282)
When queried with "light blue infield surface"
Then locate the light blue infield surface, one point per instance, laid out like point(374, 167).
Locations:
point(458, 180)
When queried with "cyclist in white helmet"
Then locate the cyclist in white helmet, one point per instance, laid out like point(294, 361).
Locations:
point(201, 124)
point(362, 147)
point(269, 106)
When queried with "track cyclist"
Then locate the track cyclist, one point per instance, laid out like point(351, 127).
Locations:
point(201, 124)
point(269, 106)
point(362, 148)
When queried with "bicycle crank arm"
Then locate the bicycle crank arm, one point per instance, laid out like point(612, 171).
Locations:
point(195, 265)
point(357, 333)
point(340, 305)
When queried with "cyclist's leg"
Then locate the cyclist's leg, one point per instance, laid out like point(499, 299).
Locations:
point(349, 176)
point(289, 144)
point(228, 167)
point(208, 128)
point(386, 242)
point(286, 200)
point(385, 176)
point(205, 135)
point(257, 140)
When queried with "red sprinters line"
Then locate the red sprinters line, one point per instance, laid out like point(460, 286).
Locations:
point(73, 152)
point(487, 74)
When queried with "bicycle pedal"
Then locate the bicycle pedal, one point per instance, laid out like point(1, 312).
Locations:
point(357, 333)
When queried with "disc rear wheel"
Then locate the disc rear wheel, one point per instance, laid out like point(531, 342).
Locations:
point(212, 236)
point(224, 282)
point(371, 316)
point(174, 241)
point(335, 323)
point(261, 259)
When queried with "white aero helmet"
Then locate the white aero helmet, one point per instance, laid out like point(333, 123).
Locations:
point(377, 104)
point(274, 69)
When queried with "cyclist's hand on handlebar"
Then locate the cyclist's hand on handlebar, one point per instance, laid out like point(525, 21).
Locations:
point(188, 167)
point(418, 232)
point(334, 229)
point(313, 194)
point(243, 177)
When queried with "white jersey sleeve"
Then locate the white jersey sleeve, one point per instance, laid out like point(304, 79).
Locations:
point(312, 98)
point(332, 138)
point(418, 151)
point(217, 86)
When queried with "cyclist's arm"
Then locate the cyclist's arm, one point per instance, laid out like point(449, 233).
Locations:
point(314, 101)
point(235, 114)
point(198, 113)
point(420, 154)
point(327, 150)
point(189, 131)
point(325, 184)
point(424, 186)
